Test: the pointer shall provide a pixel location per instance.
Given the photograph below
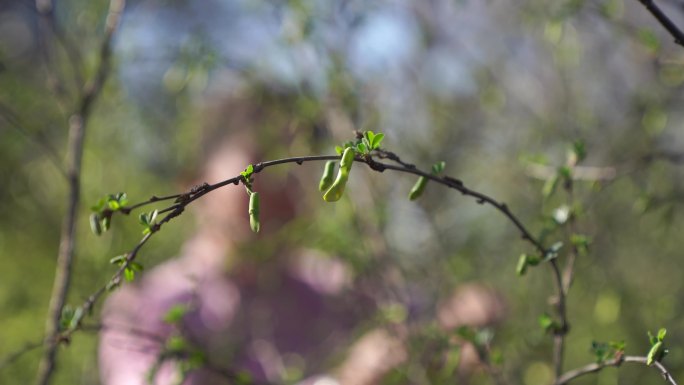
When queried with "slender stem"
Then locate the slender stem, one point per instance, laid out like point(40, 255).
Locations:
point(559, 334)
point(77, 130)
point(616, 362)
point(10, 358)
point(459, 186)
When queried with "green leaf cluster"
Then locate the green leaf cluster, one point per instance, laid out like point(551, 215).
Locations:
point(176, 313)
point(548, 324)
point(101, 217)
point(131, 267)
point(147, 220)
point(658, 350)
point(70, 318)
point(247, 174)
point(604, 351)
point(366, 142)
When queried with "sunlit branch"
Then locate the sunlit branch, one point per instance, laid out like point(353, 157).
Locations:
point(616, 362)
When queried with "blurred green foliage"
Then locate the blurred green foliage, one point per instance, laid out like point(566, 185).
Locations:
point(492, 89)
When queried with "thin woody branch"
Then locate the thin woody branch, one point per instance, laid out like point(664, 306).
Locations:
point(664, 20)
point(77, 130)
point(616, 362)
point(183, 200)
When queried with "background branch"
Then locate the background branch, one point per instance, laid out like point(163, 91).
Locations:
point(665, 21)
point(77, 130)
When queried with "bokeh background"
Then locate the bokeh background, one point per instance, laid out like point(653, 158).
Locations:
point(491, 87)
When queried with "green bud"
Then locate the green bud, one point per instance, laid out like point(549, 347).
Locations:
point(254, 212)
point(327, 178)
point(418, 188)
point(95, 224)
point(522, 264)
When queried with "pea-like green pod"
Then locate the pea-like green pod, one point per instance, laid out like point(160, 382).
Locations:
point(418, 188)
point(347, 159)
point(335, 191)
point(328, 175)
point(254, 212)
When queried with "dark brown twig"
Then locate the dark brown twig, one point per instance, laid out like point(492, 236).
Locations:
point(665, 21)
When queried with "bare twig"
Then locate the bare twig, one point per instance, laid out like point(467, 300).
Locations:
point(10, 358)
point(37, 138)
point(665, 21)
point(616, 362)
point(77, 129)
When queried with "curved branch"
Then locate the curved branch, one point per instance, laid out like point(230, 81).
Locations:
point(183, 200)
point(616, 362)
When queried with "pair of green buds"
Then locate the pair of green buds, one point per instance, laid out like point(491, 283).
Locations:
point(335, 188)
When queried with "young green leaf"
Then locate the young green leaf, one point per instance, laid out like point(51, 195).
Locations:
point(248, 172)
point(95, 224)
point(99, 206)
point(661, 334)
point(176, 344)
point(547, 323)
point(176, 313)
point(375, 143)
point(369, 136)
point(438, 167)
point(118, 260)
point(143, 219)
point(580, 150)
point(129, 274)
